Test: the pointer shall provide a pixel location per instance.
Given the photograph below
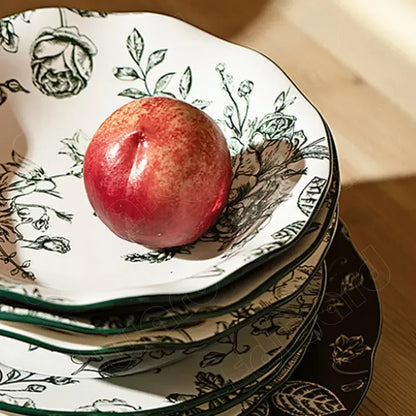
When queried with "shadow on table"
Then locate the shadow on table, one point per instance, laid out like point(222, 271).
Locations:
point(381, 217)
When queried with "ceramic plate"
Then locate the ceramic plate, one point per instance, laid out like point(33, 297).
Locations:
point(278, 374)
point(27, 357)
point(265, 284)
point(225, 301)
point(222, 368)
point(220, 390)
point(231, 400)
point(236, 406)
point(336, 371)
point(63, 72)
point(180, 336)
point(335, 338)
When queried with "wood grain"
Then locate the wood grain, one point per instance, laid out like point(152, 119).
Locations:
point(377, 146)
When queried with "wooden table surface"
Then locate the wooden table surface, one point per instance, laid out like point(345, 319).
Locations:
point(377, 146)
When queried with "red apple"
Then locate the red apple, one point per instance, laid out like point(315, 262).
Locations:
point(158, 172)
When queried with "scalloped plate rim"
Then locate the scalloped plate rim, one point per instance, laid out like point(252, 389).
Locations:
point(146, 300)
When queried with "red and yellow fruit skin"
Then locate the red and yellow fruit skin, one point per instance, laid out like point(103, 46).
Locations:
point(158, 172)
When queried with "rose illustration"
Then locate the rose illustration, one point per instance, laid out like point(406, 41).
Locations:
point(62, 61)
point(259, 185)
point(9, 41)
point(276, 125)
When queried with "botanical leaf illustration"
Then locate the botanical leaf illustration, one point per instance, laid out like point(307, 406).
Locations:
point(287, 233)
point(155, 58)
point(125, 73)
point(212, 358)
point(9, 40)
point(279, 102)
point(3, 96)
point(304, 398)
point(345, 349)
point(20, 180)
point(75, 148)
point(354, 386)
point(185, 83)
point(26, 16)
point(163, 82)
point(206, 382)
point(88, 13)
point(314, 150)
point(201, 104)
point(12, 85)
point(135, 45)
point(156, 256)
point(13, 374)
point(311, 194)
point(132, 93)
point(18, 381)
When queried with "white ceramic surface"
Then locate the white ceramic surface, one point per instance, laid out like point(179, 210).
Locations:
point(62, 74)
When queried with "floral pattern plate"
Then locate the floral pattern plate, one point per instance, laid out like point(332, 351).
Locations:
point(266, 284)
point(31, 358)
point(63, 72)
point(178, 337)
point(180, 343)
point(207, 382)
point(338, 342)
point(277, 374)
point(220, 369)
point(336, 372)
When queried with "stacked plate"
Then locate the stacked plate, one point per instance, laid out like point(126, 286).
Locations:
point(257, 317)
